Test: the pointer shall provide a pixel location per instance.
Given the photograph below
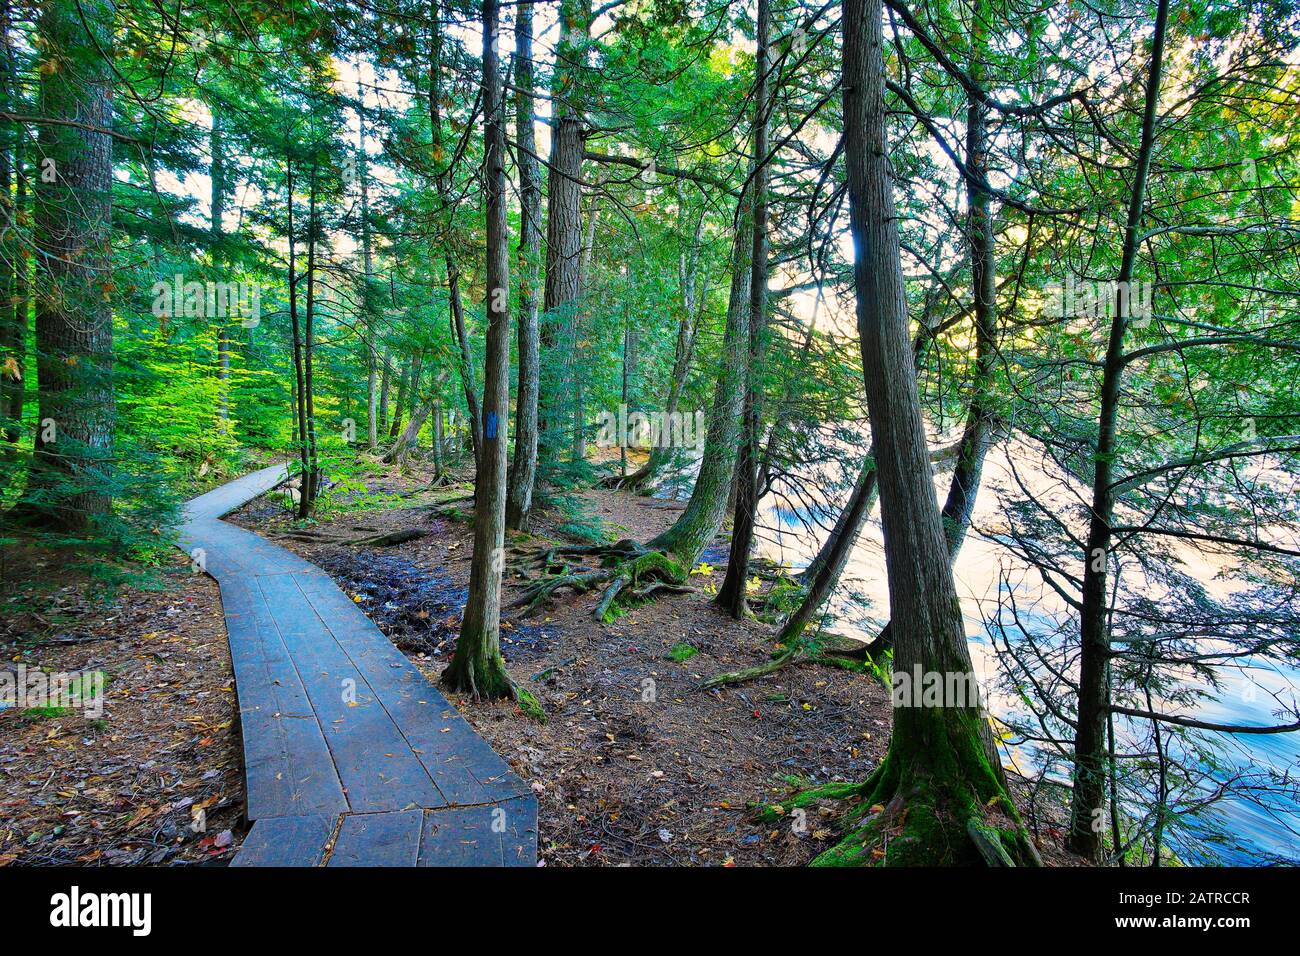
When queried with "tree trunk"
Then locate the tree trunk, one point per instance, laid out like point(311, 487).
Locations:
point(978, 432)
point(311, 473)
point(523, 467)
point(731, 594)
point(457, 315)
point(477, 667)
point(841, 543)
point(1087, 808)
point(564, 197)
point(299, 389)
point(71, 471)
point(437, 441)
point(940, 778)
point(384, 383)
point(420, 411)
point(367, 288)
point(217, 171)
point(399, 409)
point(13, 325)
point(683, 355)
point(697, 525)
point(849, 524)
point(575, 369)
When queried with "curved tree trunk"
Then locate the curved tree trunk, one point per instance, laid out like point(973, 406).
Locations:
point(849, 524)
point(841, 544)
point(940, 780)
point(696, 526)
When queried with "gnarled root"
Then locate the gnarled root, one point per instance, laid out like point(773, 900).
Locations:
point(787, 656)
point(627, 570)
point(822, 647)
point(486, 678)
point(935, 800)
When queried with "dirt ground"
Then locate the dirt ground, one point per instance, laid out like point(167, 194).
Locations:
point(634, 765)
point(156, 778)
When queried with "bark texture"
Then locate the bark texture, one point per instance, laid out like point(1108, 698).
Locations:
point(731, 593)
point(477, 667)
point(71, 473)
point(523, 466)
point(940, 777)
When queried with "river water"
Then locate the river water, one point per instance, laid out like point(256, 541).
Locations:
point(1256, 834)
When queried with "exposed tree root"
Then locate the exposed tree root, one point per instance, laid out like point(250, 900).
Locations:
point(628, 571)
point(391, 538)
point(489, 681)
point(539, 592)
point(787, 656)
point(823, 647)
point(940, 806)
point(636, 481)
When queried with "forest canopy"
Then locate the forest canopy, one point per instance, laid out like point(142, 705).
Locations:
point(1005, 285)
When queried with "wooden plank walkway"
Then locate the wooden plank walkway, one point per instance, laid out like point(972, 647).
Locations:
point(351, 757)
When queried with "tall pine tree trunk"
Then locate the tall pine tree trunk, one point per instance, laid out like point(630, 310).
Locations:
point(977, 434)
point(217, 171)
point(564, 198)
point(523, 466)
point(295, 328)
point(941, 789)
point(367, 288)
point(311, 477)
point(1087, 807)
point(731, 594)
point(477, 667)
point(71, 472)
point(13, 324)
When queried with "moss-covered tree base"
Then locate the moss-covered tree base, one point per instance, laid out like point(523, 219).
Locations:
point(488, 680)
point(481, 677)
point(940, 805)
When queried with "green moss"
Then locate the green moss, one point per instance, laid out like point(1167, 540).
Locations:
point(613, 613)
point(773, 812)
point(681, 651)
point(656, 564)
point(931, 798)
point(530, 705)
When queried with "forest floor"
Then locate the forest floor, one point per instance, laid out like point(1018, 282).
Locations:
point(156, 778)
point(634, 765)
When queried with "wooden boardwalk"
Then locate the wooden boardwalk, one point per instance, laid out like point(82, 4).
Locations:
point(351, 757)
